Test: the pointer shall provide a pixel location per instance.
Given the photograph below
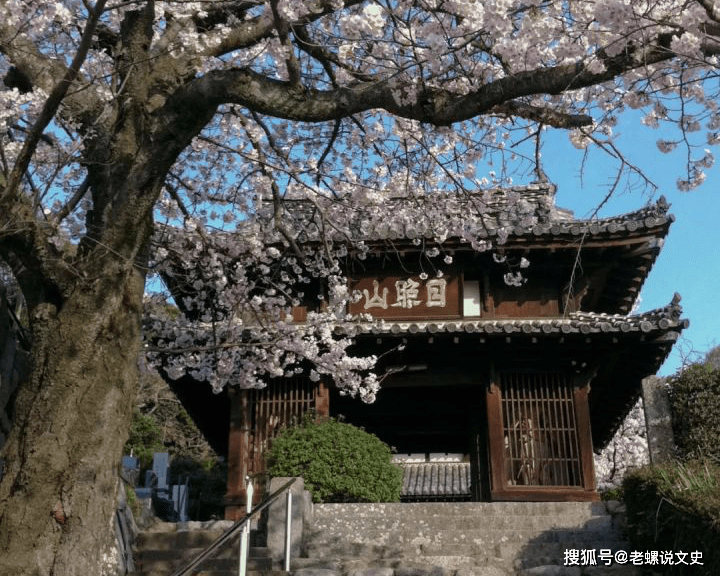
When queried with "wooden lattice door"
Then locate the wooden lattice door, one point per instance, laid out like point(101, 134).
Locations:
point(539, 437)
point(256, 417)
point(281, 404)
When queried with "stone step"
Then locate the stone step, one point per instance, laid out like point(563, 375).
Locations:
point(450, 536)
point(554, 570)
point(190, 553)
point(466, 538)
point(467, 522)
point(440, 566)
point(577, 511)
point(194, 526)
point(452, 566)
point(169, 546)
point(169, 565)
point(500, 549)
point(535, 554)
point(186, 539)
point(167, 540)
point(217, 572)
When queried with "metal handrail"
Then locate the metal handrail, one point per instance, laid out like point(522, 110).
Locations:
point(234, 529)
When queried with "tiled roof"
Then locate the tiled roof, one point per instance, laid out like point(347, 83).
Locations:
point(521, 211)
point(661, 319)
point(435, 480)
point(554, 223)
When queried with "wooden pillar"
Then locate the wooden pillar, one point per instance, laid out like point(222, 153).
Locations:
point(496, 440)
point(488, 300)
point(582, 418)
point(479, 455)
point(238, 453)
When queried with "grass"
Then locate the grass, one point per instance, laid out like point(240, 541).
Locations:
point(676, 506)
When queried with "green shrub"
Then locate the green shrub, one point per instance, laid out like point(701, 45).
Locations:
point(339, 462)
point(695, 401)
point(132, 501)
point(614, 493)
point(146, 438)
point(676, 507)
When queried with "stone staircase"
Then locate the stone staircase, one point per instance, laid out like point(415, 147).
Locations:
point(461, 539)
point(419, 539)
point(169, 546)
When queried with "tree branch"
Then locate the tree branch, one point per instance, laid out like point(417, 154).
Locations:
point(250, 32)
point(712, 12)
point(33, 68)
point(73, 201)
point(433, 105)
point(276, 195)
point(554, 118)
point(50, 107)
point(325, 56)
point(219, 12)
point(291, 63)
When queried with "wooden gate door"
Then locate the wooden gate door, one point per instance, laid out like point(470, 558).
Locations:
point(257, 416)
point(539, 432)
point(282, 404)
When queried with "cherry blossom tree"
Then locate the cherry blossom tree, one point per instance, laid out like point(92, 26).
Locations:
point(171, 137)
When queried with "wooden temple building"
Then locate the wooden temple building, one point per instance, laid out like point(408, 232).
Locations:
point(498, 391)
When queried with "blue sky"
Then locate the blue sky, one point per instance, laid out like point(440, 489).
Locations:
point(689, 263)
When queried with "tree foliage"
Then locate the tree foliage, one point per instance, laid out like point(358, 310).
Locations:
point(339, 462)
point(695, 402)
point(712, 357)
point(676, 505)
point(146, 438)
point(171, 138)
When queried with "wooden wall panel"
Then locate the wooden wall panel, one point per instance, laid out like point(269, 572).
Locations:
point(525, 302)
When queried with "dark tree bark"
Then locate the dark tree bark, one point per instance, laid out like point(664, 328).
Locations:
point(72, 415)
point(59, 491)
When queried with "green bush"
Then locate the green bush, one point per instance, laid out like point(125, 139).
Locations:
point(695, 400)
point(676, 507)
point(339, 462)
point(132, 501)
point(146, 438)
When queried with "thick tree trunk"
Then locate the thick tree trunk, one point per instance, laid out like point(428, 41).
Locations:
point(58, 494)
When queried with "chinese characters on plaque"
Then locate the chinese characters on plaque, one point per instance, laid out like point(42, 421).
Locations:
point(398, 297)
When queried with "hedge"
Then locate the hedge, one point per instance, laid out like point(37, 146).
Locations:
point(339, 462)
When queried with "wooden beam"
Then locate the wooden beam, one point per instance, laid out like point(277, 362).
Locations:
point(493, 402)
point(582, 419)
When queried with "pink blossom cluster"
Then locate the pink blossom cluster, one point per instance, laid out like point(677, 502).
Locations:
point(339, 108)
